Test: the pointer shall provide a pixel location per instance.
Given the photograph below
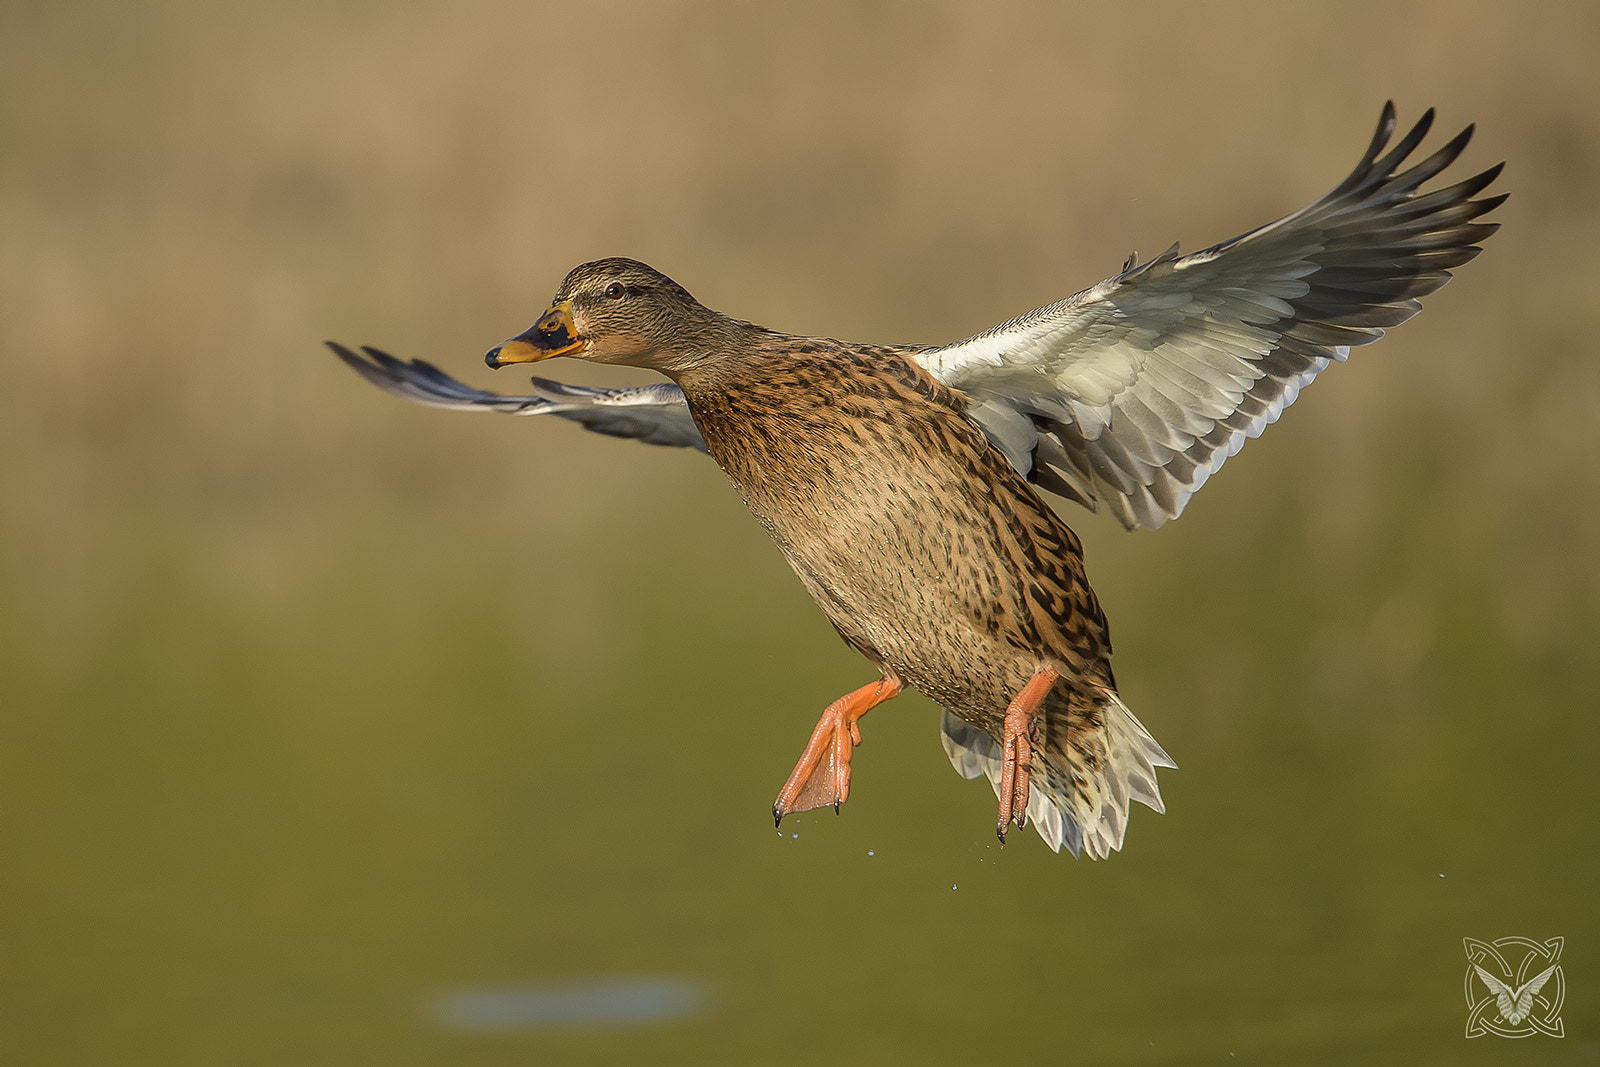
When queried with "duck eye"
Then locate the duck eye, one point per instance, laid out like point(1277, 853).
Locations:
point(614, 291)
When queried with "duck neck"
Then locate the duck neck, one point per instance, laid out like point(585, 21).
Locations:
point(714, 354)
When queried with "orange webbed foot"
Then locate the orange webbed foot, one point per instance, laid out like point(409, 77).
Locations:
point(822, 776)
point(1017, 750)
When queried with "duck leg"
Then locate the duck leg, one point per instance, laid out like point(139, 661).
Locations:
point(822, 776)
point(1020, 723)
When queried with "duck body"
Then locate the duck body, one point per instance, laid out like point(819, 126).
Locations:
point(921, 543)
point(931, 556)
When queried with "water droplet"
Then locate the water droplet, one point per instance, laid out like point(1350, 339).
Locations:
point(872, 853)
point(953, 887)
point(795, 836)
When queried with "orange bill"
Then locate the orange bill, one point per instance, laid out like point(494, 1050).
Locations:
point(552, 335)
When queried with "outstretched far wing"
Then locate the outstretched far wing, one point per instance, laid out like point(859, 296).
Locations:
point(656, 414)
point(1530, 990)
point(1132, 393)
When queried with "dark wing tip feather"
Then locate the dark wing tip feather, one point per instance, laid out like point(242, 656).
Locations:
point(421, 372)
point(379, 368)
point(1482, 181)
point(351, 360)
point(656, 414)
point(1387, 119)
point(1489, 203)
point(420, 381)
point(1407, 144)
point(1380, 138)
point(1426, 169)
point(1365, 252)
point(1376, 169)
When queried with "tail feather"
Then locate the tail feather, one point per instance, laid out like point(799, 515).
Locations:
point(1077, 802)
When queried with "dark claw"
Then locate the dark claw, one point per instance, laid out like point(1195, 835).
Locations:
point(1000, 832)
point(836, 807)
point(777, 816)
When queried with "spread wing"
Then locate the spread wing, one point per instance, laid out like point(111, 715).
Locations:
point(656, 414)
point(1529, 990)
point(1132, 393)
point(1504, 998)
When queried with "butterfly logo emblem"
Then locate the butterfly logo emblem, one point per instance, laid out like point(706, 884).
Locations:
point(1514, 987)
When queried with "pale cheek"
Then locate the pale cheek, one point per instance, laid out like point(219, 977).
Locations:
point(627, 350)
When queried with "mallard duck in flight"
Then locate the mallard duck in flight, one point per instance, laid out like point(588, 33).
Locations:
point(900, 481)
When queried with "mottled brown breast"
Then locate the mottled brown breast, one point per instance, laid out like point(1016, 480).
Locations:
point(918, 539)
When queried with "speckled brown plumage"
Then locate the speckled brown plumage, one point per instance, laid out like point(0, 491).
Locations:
point(922, 544)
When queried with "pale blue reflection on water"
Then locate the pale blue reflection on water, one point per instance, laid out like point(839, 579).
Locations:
point(602, 1002)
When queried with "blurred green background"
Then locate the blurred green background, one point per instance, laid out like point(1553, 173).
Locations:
point(317, 707)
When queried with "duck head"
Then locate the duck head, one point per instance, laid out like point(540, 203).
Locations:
point(619, 311)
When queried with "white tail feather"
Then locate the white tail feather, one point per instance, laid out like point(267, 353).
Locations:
point(1068, 809)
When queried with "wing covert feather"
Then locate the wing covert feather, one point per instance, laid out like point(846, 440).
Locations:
point(1140, 388)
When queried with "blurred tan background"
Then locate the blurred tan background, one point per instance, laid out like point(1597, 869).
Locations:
point(315, 705)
